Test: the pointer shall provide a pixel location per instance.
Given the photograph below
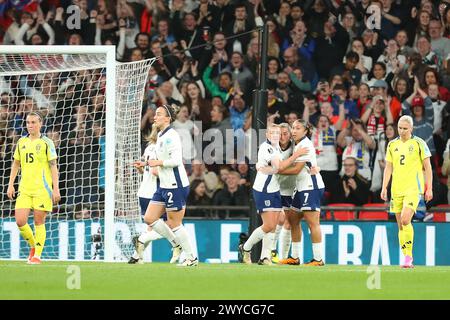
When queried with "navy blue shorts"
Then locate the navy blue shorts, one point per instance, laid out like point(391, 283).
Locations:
point(308, 200)
point(286, 202)
point(172, 199)
point(267, 201)
point(143, 204)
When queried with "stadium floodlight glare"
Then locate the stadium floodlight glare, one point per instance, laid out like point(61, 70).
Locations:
point(92, 104)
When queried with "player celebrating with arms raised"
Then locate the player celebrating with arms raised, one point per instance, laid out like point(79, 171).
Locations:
point(36, 156)
point(406, 157)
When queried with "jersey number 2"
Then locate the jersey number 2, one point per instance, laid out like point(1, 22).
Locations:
point(170, 195)
point(402, 159)
point(29, 158)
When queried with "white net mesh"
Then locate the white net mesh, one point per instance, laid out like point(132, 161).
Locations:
point(19, 64)
point(131, 79)
point(69, 90)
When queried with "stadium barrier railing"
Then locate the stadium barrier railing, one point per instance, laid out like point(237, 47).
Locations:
point(221, 212)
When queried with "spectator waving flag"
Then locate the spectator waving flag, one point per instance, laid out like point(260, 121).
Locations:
point(25, 5)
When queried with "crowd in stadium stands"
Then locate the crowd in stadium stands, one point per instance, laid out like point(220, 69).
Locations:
point(328, 62)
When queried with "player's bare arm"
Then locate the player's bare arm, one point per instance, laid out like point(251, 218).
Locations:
point(139, 165)
point(428, 180)
point(14, 171)
point(56, 196)
point(386, 177)
point(293, 170)
point(285, 164)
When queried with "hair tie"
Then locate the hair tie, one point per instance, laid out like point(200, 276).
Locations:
point(33, 113)
point(168, 112)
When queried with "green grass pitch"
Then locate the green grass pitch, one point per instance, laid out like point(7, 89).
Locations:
point(163, 281)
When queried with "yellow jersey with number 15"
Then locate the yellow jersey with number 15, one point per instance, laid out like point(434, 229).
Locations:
point(407, 165)
point(34, 157)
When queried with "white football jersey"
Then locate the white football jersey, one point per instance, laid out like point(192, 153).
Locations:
point(306, 181)
point(263, 182)
point(287, 181)
point(172, 174)
point(149, 181)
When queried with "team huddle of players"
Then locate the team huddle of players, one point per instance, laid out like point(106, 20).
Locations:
point(288, 187)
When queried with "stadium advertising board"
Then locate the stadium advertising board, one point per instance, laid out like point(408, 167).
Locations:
point(216, 241)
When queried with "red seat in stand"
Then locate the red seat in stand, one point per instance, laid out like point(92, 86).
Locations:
point(341, 215)
point(382, 215)
point(442, 216)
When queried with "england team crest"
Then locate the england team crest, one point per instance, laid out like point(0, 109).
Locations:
point(38, 148)
point(267, 203)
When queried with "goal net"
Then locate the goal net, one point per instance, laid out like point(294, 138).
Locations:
point(92, 110)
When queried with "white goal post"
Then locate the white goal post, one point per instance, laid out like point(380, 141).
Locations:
point(27, 68)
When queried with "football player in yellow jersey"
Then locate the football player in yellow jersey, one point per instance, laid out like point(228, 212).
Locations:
point(406, 159)
point(36, 156)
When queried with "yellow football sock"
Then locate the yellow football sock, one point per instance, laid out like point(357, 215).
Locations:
point(408, 234)
point(27, 234)
point(40, 235)
point(401, 240)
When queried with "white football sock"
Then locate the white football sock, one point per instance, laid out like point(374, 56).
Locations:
point(184, 240)
point(267, 246)
point(296, 247)
point(276, 236)
point(148, 236)
point(285, 243)
point(163, 229)
point(317, 251)
point(254, 238)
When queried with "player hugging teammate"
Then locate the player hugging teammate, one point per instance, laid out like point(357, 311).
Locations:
point(303, 203)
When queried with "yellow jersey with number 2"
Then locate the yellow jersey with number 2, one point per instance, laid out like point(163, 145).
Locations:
point(407, 165)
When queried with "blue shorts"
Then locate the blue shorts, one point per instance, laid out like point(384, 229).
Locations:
point(308, 200)
point(172, 199)
point(286, 202)
point(267, 201)
point(143, 204)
